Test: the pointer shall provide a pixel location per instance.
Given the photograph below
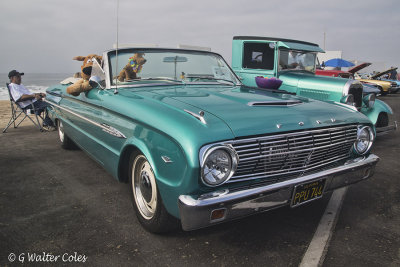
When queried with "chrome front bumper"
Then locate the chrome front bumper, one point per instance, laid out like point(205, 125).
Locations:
point(195, 211)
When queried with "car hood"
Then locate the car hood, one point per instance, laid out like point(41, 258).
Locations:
point(359, 67)
point(250, 111)
point(386, 84)
point(308, 80)
point(379, 74)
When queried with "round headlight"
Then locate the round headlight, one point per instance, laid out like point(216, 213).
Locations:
point(348, 100)
point(365, 138)
point(219, 165)
point(369, 100)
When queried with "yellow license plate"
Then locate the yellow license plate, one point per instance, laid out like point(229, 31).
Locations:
point(304, 193)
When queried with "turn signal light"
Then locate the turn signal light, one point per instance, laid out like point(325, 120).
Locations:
point(218, 215)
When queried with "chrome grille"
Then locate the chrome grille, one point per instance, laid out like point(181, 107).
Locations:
point(289, 155)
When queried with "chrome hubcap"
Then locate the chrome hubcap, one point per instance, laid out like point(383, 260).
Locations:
point(60, 131)
point(144, 187)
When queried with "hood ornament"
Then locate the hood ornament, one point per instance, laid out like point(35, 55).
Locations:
point(301, 123)
point(199, 116)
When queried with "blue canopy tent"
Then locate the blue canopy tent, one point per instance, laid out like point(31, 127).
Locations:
point(338, 62)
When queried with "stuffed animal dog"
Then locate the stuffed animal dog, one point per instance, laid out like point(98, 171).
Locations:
point(134, 66)
point(83, 85)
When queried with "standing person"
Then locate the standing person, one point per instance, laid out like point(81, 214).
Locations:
point(393, 74)
point(26, 99)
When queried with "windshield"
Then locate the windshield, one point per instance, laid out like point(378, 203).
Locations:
point(169, 66)
point(297, 60)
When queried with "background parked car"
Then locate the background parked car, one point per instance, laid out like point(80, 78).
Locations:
point(385, 87)
point(395, 83)
point(294, 62)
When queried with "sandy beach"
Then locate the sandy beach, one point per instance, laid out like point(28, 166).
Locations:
point(5, 115)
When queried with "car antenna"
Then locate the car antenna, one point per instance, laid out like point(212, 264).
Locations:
point(116, 53)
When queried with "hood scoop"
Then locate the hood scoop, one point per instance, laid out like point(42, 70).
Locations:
point(279, 103)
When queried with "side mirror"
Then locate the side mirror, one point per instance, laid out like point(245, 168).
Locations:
point(96, 81)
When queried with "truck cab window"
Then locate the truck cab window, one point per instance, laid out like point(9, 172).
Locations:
point(258, 56)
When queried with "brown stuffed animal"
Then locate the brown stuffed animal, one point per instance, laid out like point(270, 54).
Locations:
point(134, 66)
point(83, 85)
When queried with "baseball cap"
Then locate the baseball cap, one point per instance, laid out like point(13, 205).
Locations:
point(14, 73)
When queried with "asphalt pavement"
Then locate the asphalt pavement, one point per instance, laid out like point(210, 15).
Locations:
point(61, 207)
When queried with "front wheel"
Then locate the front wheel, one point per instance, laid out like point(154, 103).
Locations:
point(383, 120)
point(146, 198)
point(66, 142)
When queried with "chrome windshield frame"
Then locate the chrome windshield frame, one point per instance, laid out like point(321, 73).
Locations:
point(109, 73)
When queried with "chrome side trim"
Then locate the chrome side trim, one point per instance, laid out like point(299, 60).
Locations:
point(106, 128)
point(197, 116)
point(111, 130)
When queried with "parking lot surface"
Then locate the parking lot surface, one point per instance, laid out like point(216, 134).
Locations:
point(61, 202)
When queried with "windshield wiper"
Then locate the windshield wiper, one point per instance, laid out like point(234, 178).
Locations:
point(212, 78)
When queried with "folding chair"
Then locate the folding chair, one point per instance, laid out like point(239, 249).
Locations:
point(17, 111)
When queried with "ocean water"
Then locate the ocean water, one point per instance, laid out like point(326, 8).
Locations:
point(36, 82)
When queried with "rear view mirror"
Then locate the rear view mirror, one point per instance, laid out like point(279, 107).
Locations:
point(175, 59)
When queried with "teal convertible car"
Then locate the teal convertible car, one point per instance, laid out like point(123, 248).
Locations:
point(194, 144)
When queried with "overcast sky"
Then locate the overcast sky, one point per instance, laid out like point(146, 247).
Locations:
point(41, 36)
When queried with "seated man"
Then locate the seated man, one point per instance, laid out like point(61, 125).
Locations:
point(26, 99)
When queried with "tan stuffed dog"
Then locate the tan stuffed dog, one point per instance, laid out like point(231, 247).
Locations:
point(134, 66)
point(83, 85)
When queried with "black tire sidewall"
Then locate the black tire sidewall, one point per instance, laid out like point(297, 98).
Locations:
point(161, 221)
point(67, 143)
